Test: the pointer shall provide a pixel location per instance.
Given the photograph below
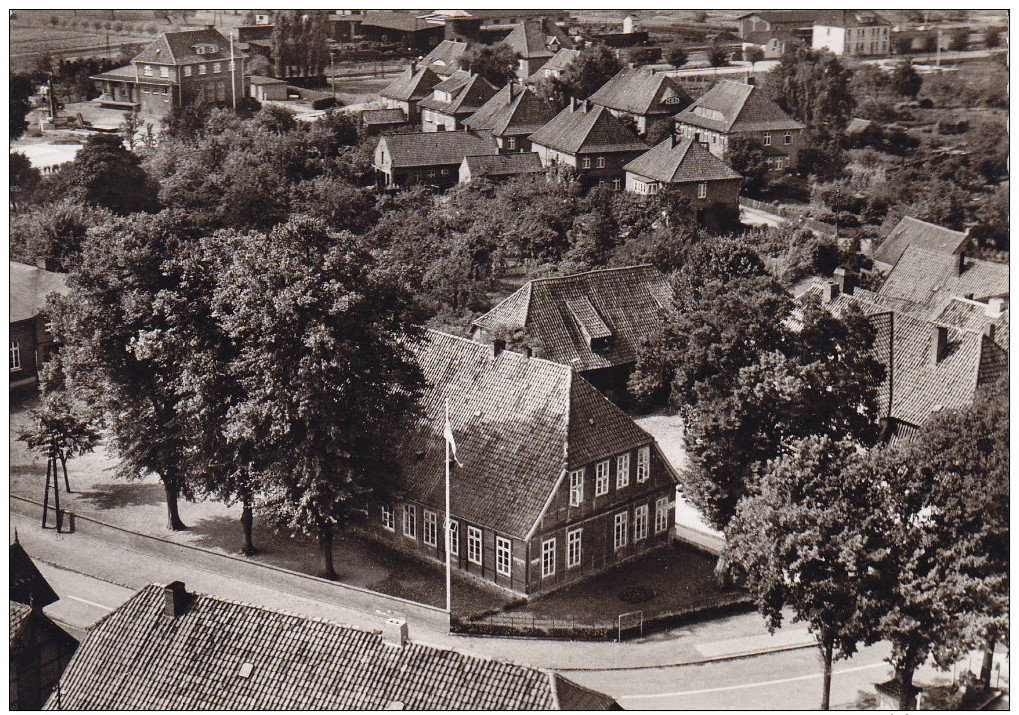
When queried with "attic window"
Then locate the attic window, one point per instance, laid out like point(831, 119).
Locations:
point(594, 329)
point(245, 671)
point(713, 114)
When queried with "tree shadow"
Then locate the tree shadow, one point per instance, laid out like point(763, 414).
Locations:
point(120, 494)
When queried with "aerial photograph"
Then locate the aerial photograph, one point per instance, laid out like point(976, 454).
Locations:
point(509, 359)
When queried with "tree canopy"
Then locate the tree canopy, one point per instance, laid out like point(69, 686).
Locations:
point(813, 87)
point(496, 63)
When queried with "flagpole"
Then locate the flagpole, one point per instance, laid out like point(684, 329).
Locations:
point(448, 566)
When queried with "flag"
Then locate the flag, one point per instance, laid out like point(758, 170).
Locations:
point(447, 432)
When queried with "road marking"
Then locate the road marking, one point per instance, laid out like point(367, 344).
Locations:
point(745, 686)
point(91, 603)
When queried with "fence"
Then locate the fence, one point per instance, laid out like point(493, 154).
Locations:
point(818, 227)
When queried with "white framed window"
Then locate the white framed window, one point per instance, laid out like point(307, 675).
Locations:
point(444, 172)
point(576, 487)
point(767, 139)
point(661, 514)
point(15, 356)
point(573, 547)
point(601, 478)
point(503, 556)
point(702, 190)
point(616, 184)
point(431, 173)
point(431, 535)
point(643, 464)
point(147, 70)
point(201, 69)
point(548, 558)
point(217, 67)
point(410, 521)
point(187, 71)
point(388, 519)
point(511, 143)
point(652, 188)
point(640, 519)
point(454, 537)
point(164, 72)
point(621, 530)
point(788, 138)
point(600, 162)
point(585, 163)
point(623, 471)
point(474, 545)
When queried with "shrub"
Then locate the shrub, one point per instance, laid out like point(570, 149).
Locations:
point(324, 103)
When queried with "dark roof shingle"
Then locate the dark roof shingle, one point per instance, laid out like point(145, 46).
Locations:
point(176, 48)
point(585, 128)
point(932, 278)
point(736, 107)
point(467, 93)
point(512, 110)
point(912, 231)
point(412, 85)
point(437, 148)
point(642, 92)
point(526, 162)
point(28, 585)
point(677, 162)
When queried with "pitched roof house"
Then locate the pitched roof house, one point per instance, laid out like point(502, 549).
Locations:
point(591, 140)
point(591, 322)
point(427, 157)
point(734, 108)
point(852, 33)
point(444, 60)
point(710, 185)
point(928, 279)
point(512, 116)
point(453, 100)
point(188, 651)
point(499, 166)
point(30, 340)
point(404, 28)
point(408, 89)
point(914, 232)
point(644, 95)
point(555, 66)
point(28, 586)
point(548, 468)
point(536, 40)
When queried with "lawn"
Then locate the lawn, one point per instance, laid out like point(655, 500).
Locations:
point(672, 579)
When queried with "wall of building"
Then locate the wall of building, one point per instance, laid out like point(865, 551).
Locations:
point(717, 143)
point(433, 121)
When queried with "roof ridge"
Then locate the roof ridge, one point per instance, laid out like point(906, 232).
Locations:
point(935, 225)
point(553, 688)
point(592, 271)
point(481, 346)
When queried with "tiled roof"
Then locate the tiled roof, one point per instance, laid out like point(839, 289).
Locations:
point(444, 59)
point(402, 21)
point(469, 91)
point(529, 40)
point(807, 17)
point(412, 85)
point(383, 116)
point(736, 107)
point(30, 286)
point(559, 62)
point(584, 128)
point(28, 585)
point(627, 300)
point(932, 278)
point(851, 18)
point(20, 616)
point(683, 161)
point(642, 92)
point(141, 658)
point(519, 422)
point(127, 72)
point(178, 48)
point(259, 80)
point(912, 231)
point(437, 148)
point(526, 162)
point(513, 110)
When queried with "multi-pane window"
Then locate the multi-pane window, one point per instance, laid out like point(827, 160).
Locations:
point(788, 138)
point(511, 143)
point(503, 556)
point(661, 515)
point(431, 535)
point(147, 70)
point(600, 162)
point(217, 67)
point(454, 537)
point(410, 521)
point(616, 184)
point(767, 139)
point(585, 163)
point(164, 72)
point(388, 520)
point(623, 471)
point(640, 522)
point(643, 462)
point(548, 558)
point(573, 547)
point(187, 71)
point(201, 69)
point(15, 355)
point(702, 190)
point(601, 478)
point(576, 487)
point(474, 545)
point(622, 524)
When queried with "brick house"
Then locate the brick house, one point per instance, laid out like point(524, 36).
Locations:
point(591, 140)
point(710, 185)
point(31, 342)
point(427, 157)
point(555, 482)
point(178, 69)
point(408, 89)
point(852, 33)
point(453, 100)
point(642, 95)
point(499, 166)
point(592, 322)
point(735, 109)
point(800, 22)
point(512, 116)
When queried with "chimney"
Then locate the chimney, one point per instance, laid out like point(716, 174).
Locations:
point(585, 106)
point(830, 292)
point(529, 351)
point(939, 344)
point(995, 307)
point(175, 599)
point(497, 347)
point(573, 103)
point(413, 66)
point(394, 632)
point(674, 140)
point(509, 98)
point(989, 331)
point(846, 280)
point(962, 263)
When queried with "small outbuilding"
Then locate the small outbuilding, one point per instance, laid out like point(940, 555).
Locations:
point(267, 88)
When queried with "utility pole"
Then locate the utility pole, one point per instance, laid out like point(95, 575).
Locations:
point(233, 72)
point(332, 72)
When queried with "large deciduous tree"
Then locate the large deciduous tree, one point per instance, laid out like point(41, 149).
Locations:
point(813, 87)
point(593, 67)
point(105, 173)
point(495, 63)
point(745, 154)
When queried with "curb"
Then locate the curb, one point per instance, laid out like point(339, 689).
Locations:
point(682, 664)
